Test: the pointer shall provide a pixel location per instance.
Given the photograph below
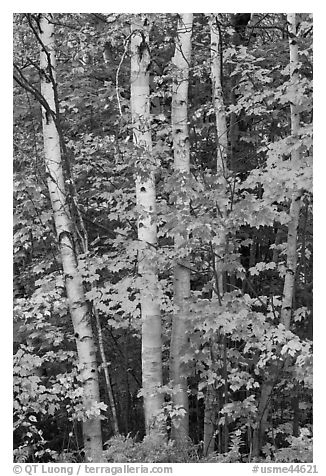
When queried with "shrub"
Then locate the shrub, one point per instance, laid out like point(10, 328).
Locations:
point(125, 449)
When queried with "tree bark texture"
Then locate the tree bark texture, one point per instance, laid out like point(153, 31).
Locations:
point(147, 232)
point(210, 419)
point(181, 147)
point(291, 263)
point(74, 287)
point(217, 93)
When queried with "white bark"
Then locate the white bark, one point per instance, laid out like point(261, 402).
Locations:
point(291, 263)
point(221, 134)
point(77, 305)
point(294, 62)
point(181, 147)
point(147, 233)
point(210, 416)
point(218, 100)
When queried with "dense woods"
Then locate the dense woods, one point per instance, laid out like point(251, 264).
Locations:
point(162, 237)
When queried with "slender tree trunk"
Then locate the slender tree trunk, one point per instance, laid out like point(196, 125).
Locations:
point(147, 233)
point(262, 416)
point(211, 406)
point(181, 147)
point(210, 416)
point(295, 207)
point(226, 394)
point(217, 93)
point(105, 366)
point(127, 407)
point(75, 293)
point(296, 412)
point(291, 262)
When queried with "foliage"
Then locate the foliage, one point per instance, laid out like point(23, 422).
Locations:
point(298, 451)
point(238, 223)
point(151, 450)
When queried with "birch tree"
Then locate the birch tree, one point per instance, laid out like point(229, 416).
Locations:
point(291, 264)
point(147, 233)
point(217, 96)
point(211, 403)
point(241, 348)
point(74, 287)
point(181, 148)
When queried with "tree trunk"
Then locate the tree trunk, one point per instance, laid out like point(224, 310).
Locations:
point(105, 366)
point(217, 93)
point(295, 207)
point(221, 140)
point(181, 147)
point(147, 233)
point(210, 417)
point(74, 287)
point(262, 417)
point(291, 262)
point(211, 407)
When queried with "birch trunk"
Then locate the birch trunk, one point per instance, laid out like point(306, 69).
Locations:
point(211, 404)
point(147, 233)
point(74, 287)
point(291, 263)
point(218, 99)
point(181, 147)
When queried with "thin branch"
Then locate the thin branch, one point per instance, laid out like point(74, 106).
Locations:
point(23, 82)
